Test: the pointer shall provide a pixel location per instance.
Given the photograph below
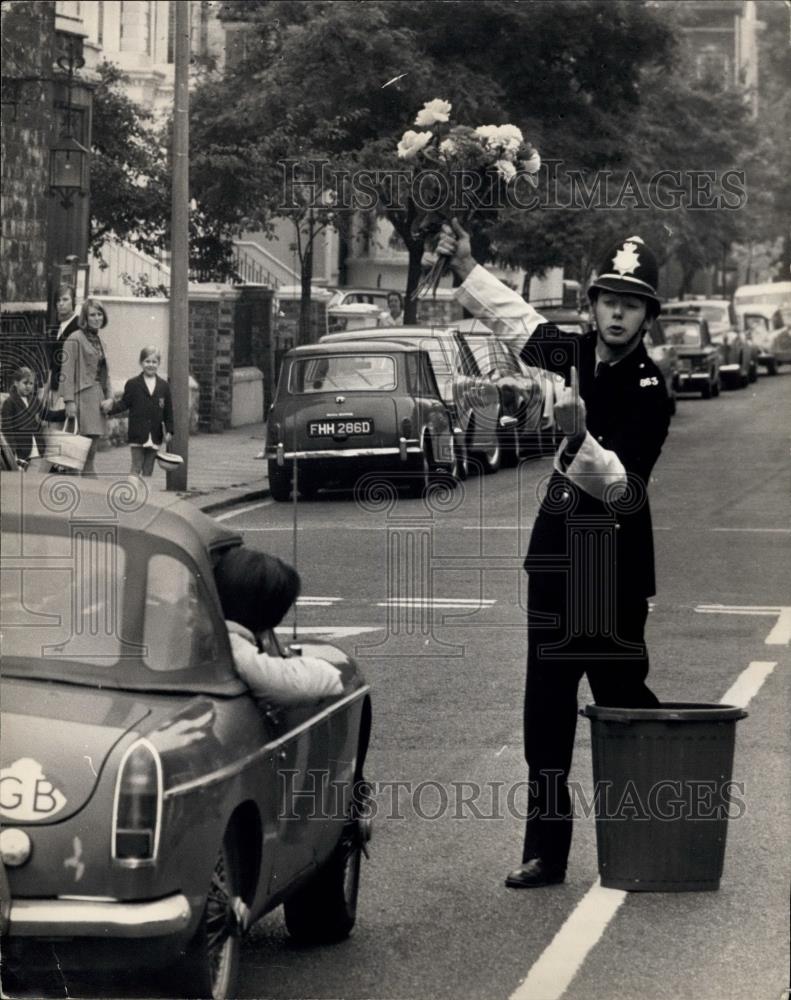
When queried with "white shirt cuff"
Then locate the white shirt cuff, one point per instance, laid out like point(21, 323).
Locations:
point(500, 307)
point(594, 469)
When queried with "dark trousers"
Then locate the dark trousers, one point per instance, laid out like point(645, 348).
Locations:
point(614, 658)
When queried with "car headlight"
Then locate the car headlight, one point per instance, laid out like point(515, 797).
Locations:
point(137, 809)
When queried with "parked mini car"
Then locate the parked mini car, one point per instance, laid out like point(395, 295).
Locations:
point(353, 316)
point(698, 358)
point(665, 357)
point(483, 416)
point(568, 320)
point(738, 358)
point(344, 408)
point(152, 808)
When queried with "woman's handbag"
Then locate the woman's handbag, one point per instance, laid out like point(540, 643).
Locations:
point(67, 449)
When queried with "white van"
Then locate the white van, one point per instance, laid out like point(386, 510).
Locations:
point(764, 314)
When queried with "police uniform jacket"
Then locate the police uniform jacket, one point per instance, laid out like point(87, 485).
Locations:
point(604, 487)
point(147, 411)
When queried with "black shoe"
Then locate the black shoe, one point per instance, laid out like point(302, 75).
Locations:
point(534, 873)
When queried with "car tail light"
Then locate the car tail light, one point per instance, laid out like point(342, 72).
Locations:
point(137, 811)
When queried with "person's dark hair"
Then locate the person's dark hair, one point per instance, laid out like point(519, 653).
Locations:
point(652, 307)
point(65, 289)
point(255, 589)
point(398, 296)
point(22, 372)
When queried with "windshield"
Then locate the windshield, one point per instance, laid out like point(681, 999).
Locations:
point(347, 372)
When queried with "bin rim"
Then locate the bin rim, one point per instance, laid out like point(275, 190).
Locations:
point(668, 711)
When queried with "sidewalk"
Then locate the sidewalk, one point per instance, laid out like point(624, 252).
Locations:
point(222, 468)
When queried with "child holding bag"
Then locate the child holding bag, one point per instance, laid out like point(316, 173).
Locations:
point(148, 400)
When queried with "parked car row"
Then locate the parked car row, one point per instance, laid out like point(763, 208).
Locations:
point(424, 402)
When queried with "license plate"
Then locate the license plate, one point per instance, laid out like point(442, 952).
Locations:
point(339, 428)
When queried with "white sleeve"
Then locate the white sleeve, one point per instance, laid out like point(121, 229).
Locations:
point(291, 680)
point(487, 298)
point(594, 469)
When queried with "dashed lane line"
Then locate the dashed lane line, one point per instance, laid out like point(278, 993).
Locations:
point(551, 974)
point(237, 512)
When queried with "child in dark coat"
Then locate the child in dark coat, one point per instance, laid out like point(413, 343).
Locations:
point(22, 417)
point(147, 398)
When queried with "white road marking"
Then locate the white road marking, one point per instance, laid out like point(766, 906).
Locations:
point(497, 527)
point(333, 631)
point(551, 974)
point(780, 634)
point(503, 747)
point(779, 531)
point(317, 602)
point(747, 684)
point(243, 510)
point(436, 602)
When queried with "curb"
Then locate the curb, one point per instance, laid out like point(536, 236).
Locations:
point(211, 503)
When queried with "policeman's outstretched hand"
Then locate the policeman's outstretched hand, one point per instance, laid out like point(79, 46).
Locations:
point(569, 408)
point(454, 242)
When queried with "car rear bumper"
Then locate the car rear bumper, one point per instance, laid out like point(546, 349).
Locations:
point(409, 448)
point(68, 918)
point(692, 377)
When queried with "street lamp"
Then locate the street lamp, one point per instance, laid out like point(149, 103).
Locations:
point(68, 169)
point(68, 158)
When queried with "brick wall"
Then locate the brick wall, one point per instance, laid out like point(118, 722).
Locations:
point(28, 32)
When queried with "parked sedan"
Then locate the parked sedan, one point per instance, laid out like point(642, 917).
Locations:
point(698, 358)
point(738, 356)
point(153, 809)
point(769, 330)
point(344, 408)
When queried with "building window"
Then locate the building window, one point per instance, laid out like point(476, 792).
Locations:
point(711, 63)
point(68, 8)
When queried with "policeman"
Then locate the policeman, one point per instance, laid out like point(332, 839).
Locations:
point(591, 559)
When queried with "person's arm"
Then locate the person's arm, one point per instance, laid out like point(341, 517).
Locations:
point(293, 680)
point(483, 295)
point(69, 374)
point(123, 404)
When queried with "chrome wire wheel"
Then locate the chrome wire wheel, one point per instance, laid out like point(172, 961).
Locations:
point(221, 942)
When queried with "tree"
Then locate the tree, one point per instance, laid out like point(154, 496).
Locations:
point(130, 184)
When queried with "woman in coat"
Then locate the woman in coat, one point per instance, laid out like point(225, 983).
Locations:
point(85, 378)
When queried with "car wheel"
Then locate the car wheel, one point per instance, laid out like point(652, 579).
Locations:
point(210, 964)
point(716, 386)
point(324, 911)
point(706, 390)
point(490, 457)
point(462, 458)
point(771, 367)
point(752, 373)
point(744, 380)
point(420, 475)
point(511, 446)
point(671, 404)
point(279, 482)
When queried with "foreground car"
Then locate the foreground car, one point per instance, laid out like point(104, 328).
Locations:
point(698, 358)
point(152, 809)
point(342, 409)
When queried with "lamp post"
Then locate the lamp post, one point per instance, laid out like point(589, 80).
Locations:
point(178, 364)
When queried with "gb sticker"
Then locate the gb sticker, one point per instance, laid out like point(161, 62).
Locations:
point(26, 794)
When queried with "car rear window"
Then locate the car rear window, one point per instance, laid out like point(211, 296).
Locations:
point(347, 372)
point(682, 334)
point(86, 608)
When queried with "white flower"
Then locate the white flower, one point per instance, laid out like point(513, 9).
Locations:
point(506, 169)
point(433, 111)
point(448, 147)
point(411, 143)
point(488, 133)
point(533, 165)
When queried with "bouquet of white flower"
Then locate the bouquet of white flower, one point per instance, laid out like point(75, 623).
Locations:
point(460, 169)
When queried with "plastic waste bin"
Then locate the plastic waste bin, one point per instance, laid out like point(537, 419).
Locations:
point(663, 794)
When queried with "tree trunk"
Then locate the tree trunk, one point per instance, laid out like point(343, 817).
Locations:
point(305, 332)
